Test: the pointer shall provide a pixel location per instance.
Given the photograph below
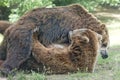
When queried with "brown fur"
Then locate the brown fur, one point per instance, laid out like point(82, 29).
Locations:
point(4, 25)
point(80, 55)
point(1, 61)
point(51, 25)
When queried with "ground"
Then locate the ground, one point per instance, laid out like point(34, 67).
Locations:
point(105, 69)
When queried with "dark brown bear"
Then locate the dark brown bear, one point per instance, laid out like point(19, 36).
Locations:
point(51, 25)
point(80, 55)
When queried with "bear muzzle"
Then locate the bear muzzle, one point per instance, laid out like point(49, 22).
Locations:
point(104, 53)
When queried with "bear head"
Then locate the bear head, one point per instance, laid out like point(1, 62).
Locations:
point(86, 39)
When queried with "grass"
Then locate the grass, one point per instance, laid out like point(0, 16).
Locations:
point(23, 76)
point(106, 69)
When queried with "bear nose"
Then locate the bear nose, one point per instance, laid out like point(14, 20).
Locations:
point(104, 53)
point(104, 56)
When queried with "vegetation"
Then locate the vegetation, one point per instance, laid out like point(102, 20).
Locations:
point(19, 7)
point(32, 76)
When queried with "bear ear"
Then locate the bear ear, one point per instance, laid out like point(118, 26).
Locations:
point(103, 26)
point(85, 39)
point(99, 37)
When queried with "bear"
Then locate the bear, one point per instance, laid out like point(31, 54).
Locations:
point(51, 25)
point(4, 25)
point(82, 12)
point(80, 55)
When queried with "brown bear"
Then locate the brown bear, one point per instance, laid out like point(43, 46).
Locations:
point(51, 25)
point(4, 25)
point(80, 55)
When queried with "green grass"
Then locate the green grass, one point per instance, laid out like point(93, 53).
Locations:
point(23, 76)
point(106, 69)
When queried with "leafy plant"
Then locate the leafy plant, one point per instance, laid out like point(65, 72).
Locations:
point(19, 7)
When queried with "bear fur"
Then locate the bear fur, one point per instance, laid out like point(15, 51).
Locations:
point(4, 25)
point(80, 55)
point(51, 25)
